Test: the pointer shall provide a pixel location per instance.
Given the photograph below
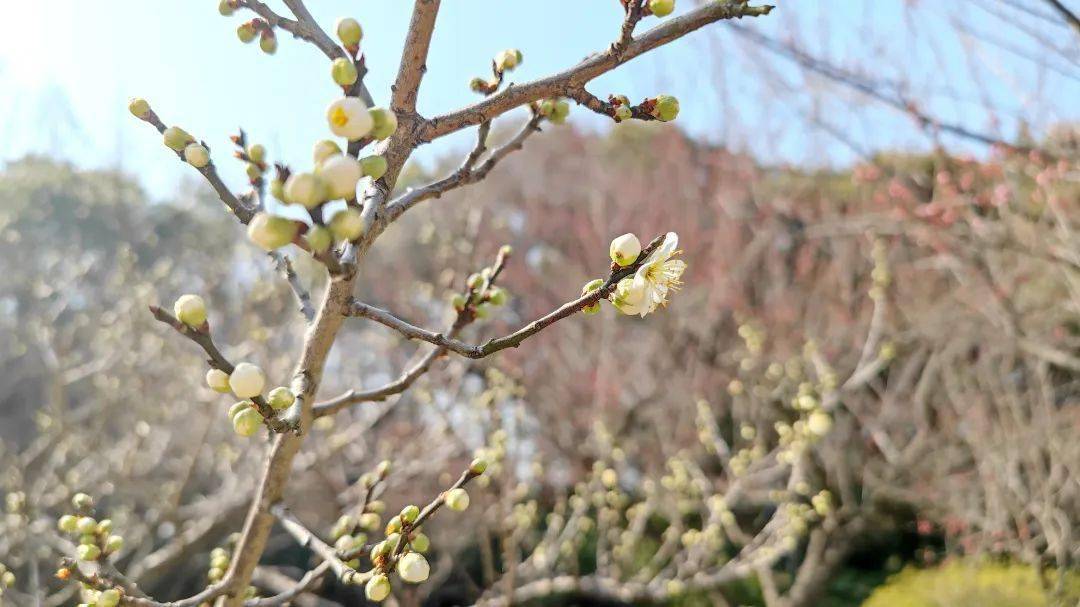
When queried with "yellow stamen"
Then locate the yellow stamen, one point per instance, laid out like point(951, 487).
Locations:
point(339, 117)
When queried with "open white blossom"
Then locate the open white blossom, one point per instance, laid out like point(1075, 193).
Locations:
point(651, 285)
point(349, 118)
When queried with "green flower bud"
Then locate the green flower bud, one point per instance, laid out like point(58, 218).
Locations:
point(625, 249)
point(196, 155)
point(478, 466)
point(347, 224)
point(623, 113)
point(547, 108)
point(458, 301)
point(413, 568)
point(82, 501)
point(190, 310)
point(374, 166)
point(139, 108)
point(385, 123)
point(393, 525)
point(392, 540)
point(340, 173)
point(280, 398)
point(238, 407)
point(271, 231)
point(369, 521)
point(557, 111)
point(246, 32)
point(87, 552)
point(268, 42)
point(474, 280)
point(377, 588)
point(483, 311)
point(661, 8)
point(114, 543)
point(68, 523)
point(380, 549)
point(383, 468)
point(257, 152)
point(457, 499)
point(497, 296)
point(420, 543)
point(325, 149)
point(319, 239)
point(819, 423)
point(593, 308)
point(478, 85)
point(343, 71)
point(346, 543)
point(349, 31)
point(219, 561)
point(377, 506)
point(409, 513)
point(108, 598)
point(247, 380)
point(247, 422)
point(88, 538)
point(592, 285)
point(508, 59)
point(215, 574)
point(305, 189)
point(666, 108)
point(105, 526)
point(218, 380)
point(225, 7)
point(7, 580)
point(176, 138)
point(277, 189)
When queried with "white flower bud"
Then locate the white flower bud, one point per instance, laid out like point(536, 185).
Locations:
point(508, 59)
point(325, 149)
point(340, 174)
point(247, 380)
point(819, 423)
point(319, 239)
point(238, 407)
point(625, 249)
point(280, 398)
point(190, 310)
point(413, 568)
point(247, 422)
point(409, 513)
point(68, 523)
point(420, 543)
point(377, 588)
point(87, 552)
point(478, 466)
point(256, 152)
point(305, 189)
point(197, 155)
point(349, 118)
point(82, 501)
point(114, 543)
point(666, 108)
point(271, 231)
point(176, 138)
point(457, 499)
point(108, 598)
point(218, 380)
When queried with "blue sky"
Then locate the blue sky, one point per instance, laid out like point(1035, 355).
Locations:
point(67, 68)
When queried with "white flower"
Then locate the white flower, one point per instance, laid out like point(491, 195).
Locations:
point(349, 118)
point(247, 380)
point(413, 568)
point(650, 286)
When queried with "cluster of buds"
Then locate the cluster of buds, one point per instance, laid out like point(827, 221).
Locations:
point(7, 580)
point(96, 540)
point(481, 294)
point(180, 141)
point(254, 157)
point(220, 558)
point(504, 61)
point(555, 110)
point(620, 107)
point(248, 30)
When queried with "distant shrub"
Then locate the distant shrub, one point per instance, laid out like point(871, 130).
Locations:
point(964, 584)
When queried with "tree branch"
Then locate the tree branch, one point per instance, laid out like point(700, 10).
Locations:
point(307, 539)
point(414, 57)
point(562, 83)
point(284, 265)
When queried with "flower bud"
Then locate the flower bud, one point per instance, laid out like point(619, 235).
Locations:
point(558, 111)
point(104, 526)
point(219, 561)
point(218, 380)
point(114, 543)
point(88, 538)
point(666, 108)
point(190, 310)
point(215, 574)
point(420, 543)
point(318, 239)
point(478, 466)
point(457, 499)
point(482, 311)
point(625, 249)
point(347, 224)
point(819, 423)
point(247, 380)
point(247, 422)
point(497, 296)
point(508, 59)
point(343, 71)
point(271, 231)
point(82, 501)
point(374, 166)
point(246, 32)
point(348, 117)
point(87, 552)
point(176, 138)
point(108, 598)
point(325, 149)
point(7, 580)
point(197, 155)
point(661, 8)
point(409, 513)
point(369, 521)
point(393, 525)
point(413, 568)
point(506, 250)
point(385, 123)
point(67, 523)
point(458, 301)
point(225, 8)
point(349, 31)
point(139, 108)
point(277, 189)
point(268, 42)
point(381, 549)
point(376, 506)
point(257, 152)
point(238, 407)
point(305, 189)
point(340, 173)
point(622, 113)
point(478, 85)
point(377, 588)
point(280, 398)
point(383, 468)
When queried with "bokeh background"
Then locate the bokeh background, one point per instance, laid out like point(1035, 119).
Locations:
point(879, 204)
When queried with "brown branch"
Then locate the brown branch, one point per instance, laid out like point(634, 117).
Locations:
point(307, 539)
point(292, 593)
point(414, 58)
point(512, 340)
point(626, 33)
point(562, 83)
point(1066, 14)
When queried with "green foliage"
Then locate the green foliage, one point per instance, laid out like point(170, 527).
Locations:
point(961, 584)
